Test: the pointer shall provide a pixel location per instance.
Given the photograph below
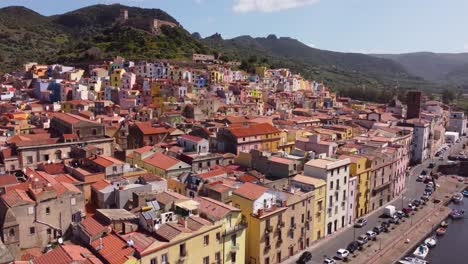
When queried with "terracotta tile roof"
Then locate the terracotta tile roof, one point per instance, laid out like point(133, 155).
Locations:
point(141, 241)
point(31, 253)
point(16, 197)
point(7, 153)
point(169, 231)
point(281, 160)
point(236, 119)
point(253, 130)
point(214, 210)
point(170, 197)
point(99, 185)
point(53, 168)
point(220, 188)
point(8, 179)
point(72, 119)
point(150, 177)
point(247, 178)
point(250, 191)
point(66, 178)
point(92, 226)
point(309, 180)
point(162, 161)
point(212, 173)
point(191, 138)
point(195, 222)
point(64, 254)
point(105, 161)
point(114, 249)
point(147, 129)
point(143, 149)
point(32, 140)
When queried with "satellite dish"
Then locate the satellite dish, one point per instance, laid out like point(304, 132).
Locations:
point(60, 240)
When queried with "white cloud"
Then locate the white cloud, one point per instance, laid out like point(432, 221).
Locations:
point(243, 6)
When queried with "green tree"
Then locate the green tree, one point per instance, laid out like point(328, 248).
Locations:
point(448, 96)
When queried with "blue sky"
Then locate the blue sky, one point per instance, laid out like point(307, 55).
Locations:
point(368, 26)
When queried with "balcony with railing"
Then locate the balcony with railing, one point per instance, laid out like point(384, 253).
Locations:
point(235, 248)
point(236, 228)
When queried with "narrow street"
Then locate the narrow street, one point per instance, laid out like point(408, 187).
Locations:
point(414, 190)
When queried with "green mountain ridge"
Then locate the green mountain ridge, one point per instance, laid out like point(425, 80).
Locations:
point(341, 71)
point(88, 34)
point(443, 68)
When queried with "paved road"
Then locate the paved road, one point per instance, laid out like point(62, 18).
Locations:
point(413, 190)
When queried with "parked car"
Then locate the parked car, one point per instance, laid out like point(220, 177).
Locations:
point(362, 239)
point(407, 210)
point(386, 224)
point(425, 198)
point(371, 235)
point(453, 158)
point(304, 258)
point(353, 246)
point(424, 172)
point(427, 180)
point(416, 202)
point(412, 206)
point(329, 261)
point(420, 178)
point(427, 193)
point(360, 222)
point(395, 220)
point(378, 229)
point(428, 190)
point(342, 253)
point(402, 214)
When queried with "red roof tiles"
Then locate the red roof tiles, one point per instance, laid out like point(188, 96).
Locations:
point(92, 226)
point(161, 160)
point(64, 254)
point(147, 128)
point(114, 249)
point(253, 130)
point(191, 138)
point(250, 191)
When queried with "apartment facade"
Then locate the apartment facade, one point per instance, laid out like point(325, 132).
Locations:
point(336, 174)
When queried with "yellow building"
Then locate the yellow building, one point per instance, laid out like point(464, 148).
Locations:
point(216, 77)
point(233, 228)
point(260, 71)
point(216, 236)
point(260, 136)
point(358, 106)
point(359, 168)
point(278, 223)
point(155, 89)
point(190, 240)
point(116, 77)
point(319, 189)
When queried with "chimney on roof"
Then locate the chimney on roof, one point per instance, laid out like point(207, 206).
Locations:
point(101, 245)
